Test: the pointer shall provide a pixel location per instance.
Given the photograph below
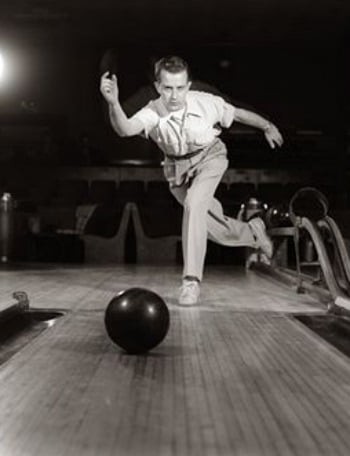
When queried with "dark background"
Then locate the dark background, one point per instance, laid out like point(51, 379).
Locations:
point(287, 60)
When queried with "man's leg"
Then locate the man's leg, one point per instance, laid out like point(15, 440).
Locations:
point(189, 293)
point(227, 230)
point(198, 200)
point(235, 233)
point(203, 216)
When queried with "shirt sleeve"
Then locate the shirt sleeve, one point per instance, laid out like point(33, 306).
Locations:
point(148, 118)
point(225, 111)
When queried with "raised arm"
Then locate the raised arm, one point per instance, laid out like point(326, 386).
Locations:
point(122, 125)
point(271, 132)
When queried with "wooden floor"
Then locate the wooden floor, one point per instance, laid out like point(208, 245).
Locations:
point(235, 376)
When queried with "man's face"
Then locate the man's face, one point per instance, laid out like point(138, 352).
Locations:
point(173, 88)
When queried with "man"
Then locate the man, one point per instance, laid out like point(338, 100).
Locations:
point(186, 126)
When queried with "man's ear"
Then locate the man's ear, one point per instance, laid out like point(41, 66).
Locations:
point(157, 86)
point(189, 84)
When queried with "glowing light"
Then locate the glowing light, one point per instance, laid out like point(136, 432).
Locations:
point(2, 65)
point(13, 69)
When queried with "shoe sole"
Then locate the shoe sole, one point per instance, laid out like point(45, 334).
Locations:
point(260, 234)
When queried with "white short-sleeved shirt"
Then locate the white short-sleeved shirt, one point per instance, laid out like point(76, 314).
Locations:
point(185, 131)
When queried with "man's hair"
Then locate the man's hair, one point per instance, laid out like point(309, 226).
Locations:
point(172, 64)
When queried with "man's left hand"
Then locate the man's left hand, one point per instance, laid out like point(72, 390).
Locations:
point(273, 136)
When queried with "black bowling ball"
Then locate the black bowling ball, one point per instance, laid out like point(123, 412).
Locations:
point(277, 216)
point(253, 207)
point(137, 320)
point(308, 202)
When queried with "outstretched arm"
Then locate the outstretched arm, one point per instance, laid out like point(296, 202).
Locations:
point(119, 121)
point(272, 135)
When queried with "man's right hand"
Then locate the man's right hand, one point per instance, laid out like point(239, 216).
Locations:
point(109, 88)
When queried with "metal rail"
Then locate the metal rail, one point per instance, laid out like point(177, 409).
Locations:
point(338, 240)
point(337, 294)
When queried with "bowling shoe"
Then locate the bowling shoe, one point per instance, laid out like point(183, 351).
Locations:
point(189, 293)
point(263, 242)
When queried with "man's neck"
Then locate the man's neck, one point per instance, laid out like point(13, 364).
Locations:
point(177, 112)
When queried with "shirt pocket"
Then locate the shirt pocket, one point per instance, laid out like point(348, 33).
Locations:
point(199, 136)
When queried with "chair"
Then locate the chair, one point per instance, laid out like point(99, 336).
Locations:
point(130, 192)
point(71, 191)
point(105, 234)
point(158, 193)
point(103, 191)
point(156, 243)
point(55, 217)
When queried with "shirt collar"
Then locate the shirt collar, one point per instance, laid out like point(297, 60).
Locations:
point(193, 108)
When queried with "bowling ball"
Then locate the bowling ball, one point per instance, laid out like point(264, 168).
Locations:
point(277, 216)
point(253, 207)
point(137, 320)
point(308, 202)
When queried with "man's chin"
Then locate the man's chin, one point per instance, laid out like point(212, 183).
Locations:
point(174, 107)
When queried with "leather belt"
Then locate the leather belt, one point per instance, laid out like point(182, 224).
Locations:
point(184, 157)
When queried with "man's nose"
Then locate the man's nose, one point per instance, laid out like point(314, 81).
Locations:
point(174, 94)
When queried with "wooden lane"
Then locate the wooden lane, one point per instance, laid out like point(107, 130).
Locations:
point(235, 376)
point(226, 383)
point(92, 287)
